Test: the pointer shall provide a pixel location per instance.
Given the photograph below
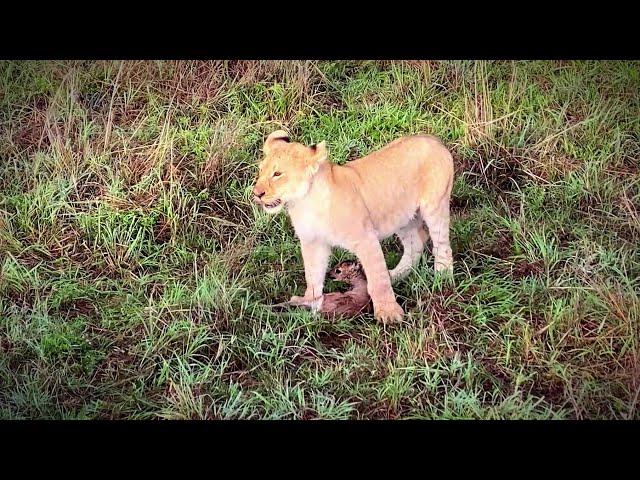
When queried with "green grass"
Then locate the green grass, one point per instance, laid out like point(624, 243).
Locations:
point(136, 275)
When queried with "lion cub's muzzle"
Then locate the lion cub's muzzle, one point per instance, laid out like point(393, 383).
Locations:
point(272, 204)
point(258, 197)
point(267, 205)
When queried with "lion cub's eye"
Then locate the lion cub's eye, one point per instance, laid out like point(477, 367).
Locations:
point(277, 174)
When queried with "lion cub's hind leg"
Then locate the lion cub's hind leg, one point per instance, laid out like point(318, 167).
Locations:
point(437, 220)
point(413, 237)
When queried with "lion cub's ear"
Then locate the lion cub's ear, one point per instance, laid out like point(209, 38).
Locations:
point(319, 156)
point(272, 139)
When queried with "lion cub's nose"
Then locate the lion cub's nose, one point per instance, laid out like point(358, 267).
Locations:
point(258, 193)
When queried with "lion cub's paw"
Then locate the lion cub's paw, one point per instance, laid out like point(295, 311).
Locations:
point(312, 303)
point(388, 312)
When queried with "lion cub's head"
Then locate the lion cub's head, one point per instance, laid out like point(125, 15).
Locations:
point(286, 171)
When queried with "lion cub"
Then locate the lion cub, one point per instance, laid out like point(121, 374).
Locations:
point(394, 190)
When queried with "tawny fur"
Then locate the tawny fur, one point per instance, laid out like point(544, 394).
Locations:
point(354, 206)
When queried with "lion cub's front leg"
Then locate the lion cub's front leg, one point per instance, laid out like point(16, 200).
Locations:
point(315, 256)
point(369, 252)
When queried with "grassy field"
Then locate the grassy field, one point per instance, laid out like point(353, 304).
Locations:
point(136, 274)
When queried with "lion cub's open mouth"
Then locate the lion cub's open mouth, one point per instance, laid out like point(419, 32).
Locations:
point(273, 204)
point(267, 206)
